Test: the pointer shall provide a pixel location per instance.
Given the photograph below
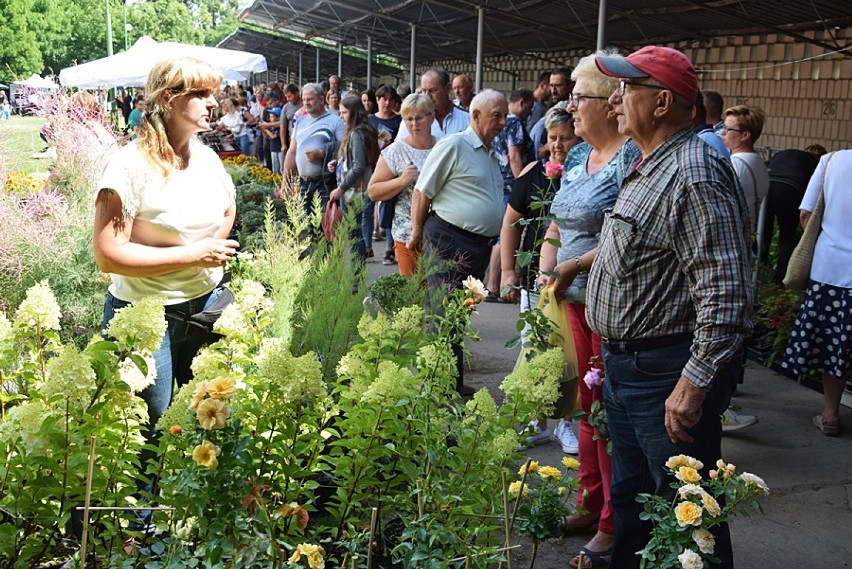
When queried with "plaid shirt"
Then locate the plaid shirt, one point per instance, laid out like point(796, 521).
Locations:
point(674, 257)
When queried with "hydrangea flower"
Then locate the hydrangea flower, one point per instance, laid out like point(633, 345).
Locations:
point(39, 309)
point(408, 320)
point(232, 323)
point(28, 417)
point(503, 446)
point(5, 327)
point(295, 378)
point(392, 384)
point(140, 325)
point(70, 374)
point(536, 383)
point(130, 374)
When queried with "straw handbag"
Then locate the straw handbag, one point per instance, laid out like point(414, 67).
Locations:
point(799, 267)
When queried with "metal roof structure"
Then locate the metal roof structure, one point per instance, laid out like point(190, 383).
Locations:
point(283, 52)
point(448, 29)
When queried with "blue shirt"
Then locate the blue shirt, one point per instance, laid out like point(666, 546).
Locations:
point(511, 135)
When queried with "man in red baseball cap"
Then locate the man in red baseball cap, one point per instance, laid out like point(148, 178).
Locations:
point(668, 292)
point(668, 67)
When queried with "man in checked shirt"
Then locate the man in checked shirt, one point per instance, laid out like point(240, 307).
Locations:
point(668, 292)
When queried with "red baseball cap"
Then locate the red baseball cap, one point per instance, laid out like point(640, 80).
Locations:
point(669, 67)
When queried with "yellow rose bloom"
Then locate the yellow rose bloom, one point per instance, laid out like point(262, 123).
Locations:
point(205, 454)
point(687, 474)
point(198, 397)
point(221, 388)
point(675, 462)
point(515, 488)
point(711, 505)
point(533, 467)
point(688, 514)
point(212, 414)
point(549, 472)
point(312, 552)
point(570, 463)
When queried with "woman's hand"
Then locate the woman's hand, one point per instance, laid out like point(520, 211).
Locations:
point(212, 252)
point(566, 272)
point(409, 175)
point(335, 194)
point(332, 166)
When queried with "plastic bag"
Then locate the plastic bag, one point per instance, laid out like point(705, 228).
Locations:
point(561, 336)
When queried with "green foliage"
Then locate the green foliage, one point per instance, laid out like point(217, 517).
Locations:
point(777, 308)
point(252, 200)
point(20, 55)
point(56, 399)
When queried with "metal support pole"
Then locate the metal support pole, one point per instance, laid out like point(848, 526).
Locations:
point(318, 65)
point(369, 62)
point(300, 70)
point(413, 60)
point(288, 80)
point(109, 28)
point(480, 37)
point(340, 62)
point(602, 17)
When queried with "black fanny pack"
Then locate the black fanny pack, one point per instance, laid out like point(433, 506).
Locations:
point(202, 322)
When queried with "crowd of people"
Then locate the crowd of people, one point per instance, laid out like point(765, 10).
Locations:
point(651, 190)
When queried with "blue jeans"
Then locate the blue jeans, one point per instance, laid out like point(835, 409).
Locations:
point(367, 225)
point(308, 189)
point(635, 391)
point(174, 356)
point(243, 142)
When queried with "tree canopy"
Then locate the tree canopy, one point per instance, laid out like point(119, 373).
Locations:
point(44, 36)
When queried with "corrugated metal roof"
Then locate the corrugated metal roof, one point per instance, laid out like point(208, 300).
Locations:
point(448, 28)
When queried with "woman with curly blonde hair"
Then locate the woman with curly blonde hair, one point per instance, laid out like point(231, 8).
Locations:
point(164, 209)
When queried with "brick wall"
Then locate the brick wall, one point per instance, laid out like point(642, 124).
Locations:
point(807, 98)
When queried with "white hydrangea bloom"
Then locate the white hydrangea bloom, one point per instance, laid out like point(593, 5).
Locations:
point(140, 325)
point(39, 309)
point(130, 374)
point(70, 374)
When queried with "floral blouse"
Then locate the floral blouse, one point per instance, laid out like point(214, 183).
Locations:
point(399, 155)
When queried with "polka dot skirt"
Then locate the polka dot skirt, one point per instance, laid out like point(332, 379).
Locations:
point(822, 335)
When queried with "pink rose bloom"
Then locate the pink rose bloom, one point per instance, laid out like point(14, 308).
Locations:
point(553, 169)
point(593, 378)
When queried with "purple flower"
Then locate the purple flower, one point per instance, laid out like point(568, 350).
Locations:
point(593, 378)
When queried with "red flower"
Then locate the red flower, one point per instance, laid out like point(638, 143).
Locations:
point(175, 429)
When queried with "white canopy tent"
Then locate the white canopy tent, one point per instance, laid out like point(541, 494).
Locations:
point(34, 81)
point(130, 68)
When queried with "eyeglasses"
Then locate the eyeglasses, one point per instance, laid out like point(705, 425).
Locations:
point(575, 98)
point(726, 129)
point(622, 86)
point(418, 118)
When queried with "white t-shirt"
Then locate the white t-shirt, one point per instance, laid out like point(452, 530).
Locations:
point(833, 251)
point(754, 179)
point(235, 123)
point(186, 207)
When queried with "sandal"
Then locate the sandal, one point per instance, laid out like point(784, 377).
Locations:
point(493, 297)
point(828, 429)
point(598, 559)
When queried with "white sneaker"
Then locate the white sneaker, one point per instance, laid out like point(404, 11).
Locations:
point(733, 421)
point(539, 436)
point(564, 435)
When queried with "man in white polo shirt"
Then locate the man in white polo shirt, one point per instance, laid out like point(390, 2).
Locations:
point(449, 119)
point(461, 183)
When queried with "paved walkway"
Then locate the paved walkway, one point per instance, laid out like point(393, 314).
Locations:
point(808, 516)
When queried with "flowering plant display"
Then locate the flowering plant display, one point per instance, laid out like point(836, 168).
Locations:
point(54, 398)
point(543, 498)
point(301, 419)
point(682, 536)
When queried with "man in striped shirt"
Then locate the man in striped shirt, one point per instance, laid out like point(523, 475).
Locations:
point(668, 292)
